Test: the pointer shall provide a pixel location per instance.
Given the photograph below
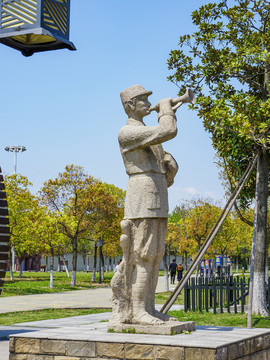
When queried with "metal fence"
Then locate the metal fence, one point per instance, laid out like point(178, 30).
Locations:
point(217, 294)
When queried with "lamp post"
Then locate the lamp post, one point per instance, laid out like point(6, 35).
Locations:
point(99, 244)
point(15, 149)
point(35, 25)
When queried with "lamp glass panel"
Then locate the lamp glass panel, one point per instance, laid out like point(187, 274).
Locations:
point(33, 39)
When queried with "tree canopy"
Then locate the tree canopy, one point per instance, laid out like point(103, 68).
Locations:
point(226, 61)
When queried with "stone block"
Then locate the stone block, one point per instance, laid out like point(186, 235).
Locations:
point(234, 351)
point(222, 353)
point(258, 343)
point(200, 354)
point(266, 341)
point(135, 352)
point(81, 348)
point(169, 353)
point(27, 346)
point(262, 355)
point(243, 348)
point(40, 357)
point(18, 357)
point(165, 329)
point(54, 347)
point(110, 350)
point(11, 345)
point(68, 358)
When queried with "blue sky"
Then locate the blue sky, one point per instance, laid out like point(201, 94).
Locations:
point(64, 106)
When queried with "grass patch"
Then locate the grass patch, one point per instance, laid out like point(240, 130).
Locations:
point(39, 283)
point(226, 319)
point(44, 314)
point(160, 298)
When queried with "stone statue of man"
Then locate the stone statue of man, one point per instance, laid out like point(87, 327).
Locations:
point(151, 170)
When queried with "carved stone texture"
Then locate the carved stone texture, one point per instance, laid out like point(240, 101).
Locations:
point(151, 170)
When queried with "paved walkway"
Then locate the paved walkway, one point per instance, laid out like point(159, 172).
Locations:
point(72, 299)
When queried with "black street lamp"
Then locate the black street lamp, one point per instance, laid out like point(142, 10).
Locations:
point(35, 25)
point(99, 244)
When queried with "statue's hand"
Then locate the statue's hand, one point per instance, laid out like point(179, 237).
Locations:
point(171, 167)
point(165, 107)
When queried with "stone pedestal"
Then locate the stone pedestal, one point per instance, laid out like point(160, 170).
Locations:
point(89, 342)
point(171, 328)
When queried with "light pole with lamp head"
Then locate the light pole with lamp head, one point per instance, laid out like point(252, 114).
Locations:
point(15, 149)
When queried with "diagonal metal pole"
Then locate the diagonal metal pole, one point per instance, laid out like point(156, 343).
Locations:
point(168, 304)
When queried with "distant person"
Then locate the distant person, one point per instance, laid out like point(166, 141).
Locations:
point(117, 266)
point(179, 272)
point(172, 269)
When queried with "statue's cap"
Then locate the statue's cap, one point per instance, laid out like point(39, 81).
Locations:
point(132, 92)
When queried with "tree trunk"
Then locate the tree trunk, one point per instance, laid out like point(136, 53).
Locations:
point(65, 266)
point(110, 264)
point(95, 264)
point(11, 266)
point(259, 288)
point(166, 273)
point(51, 268)
point(20, 264)
point(84, 261)
point(186, 260)
point(74, 263)
point(59, 264)
point(266, 266)
point(102, 263)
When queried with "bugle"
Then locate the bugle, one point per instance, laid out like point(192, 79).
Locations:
point(188, 97)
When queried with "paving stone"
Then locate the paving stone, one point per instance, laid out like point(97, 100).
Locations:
point(169, 353)
point(54, 347)
point(200, 354)
point(135, 352)
point(81, 348)
point(110, 350)
point(27, 346)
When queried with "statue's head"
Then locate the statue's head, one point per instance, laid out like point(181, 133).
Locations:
point(130, 97)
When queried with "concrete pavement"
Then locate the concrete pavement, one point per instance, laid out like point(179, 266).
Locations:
point(100, 297)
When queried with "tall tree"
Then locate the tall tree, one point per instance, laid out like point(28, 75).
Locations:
point(52, 241)
point(227, 62)
point(109, 227)
point(24, 215)
point(81, 204)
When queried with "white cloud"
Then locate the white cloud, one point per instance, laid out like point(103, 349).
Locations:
point(191, 191)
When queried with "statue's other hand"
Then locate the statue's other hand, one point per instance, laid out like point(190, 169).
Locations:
point(171, 168)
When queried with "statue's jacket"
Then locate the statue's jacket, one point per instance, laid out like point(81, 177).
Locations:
point(143, 155)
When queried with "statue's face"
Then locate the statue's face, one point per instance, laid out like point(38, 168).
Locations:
point(142, 105)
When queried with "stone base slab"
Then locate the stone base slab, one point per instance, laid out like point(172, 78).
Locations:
point(93, 342)
point(172, 328)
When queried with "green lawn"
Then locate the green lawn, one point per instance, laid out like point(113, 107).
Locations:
point(160, 298)
point(11, 318)
point(208, 319)
point(39, 282)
